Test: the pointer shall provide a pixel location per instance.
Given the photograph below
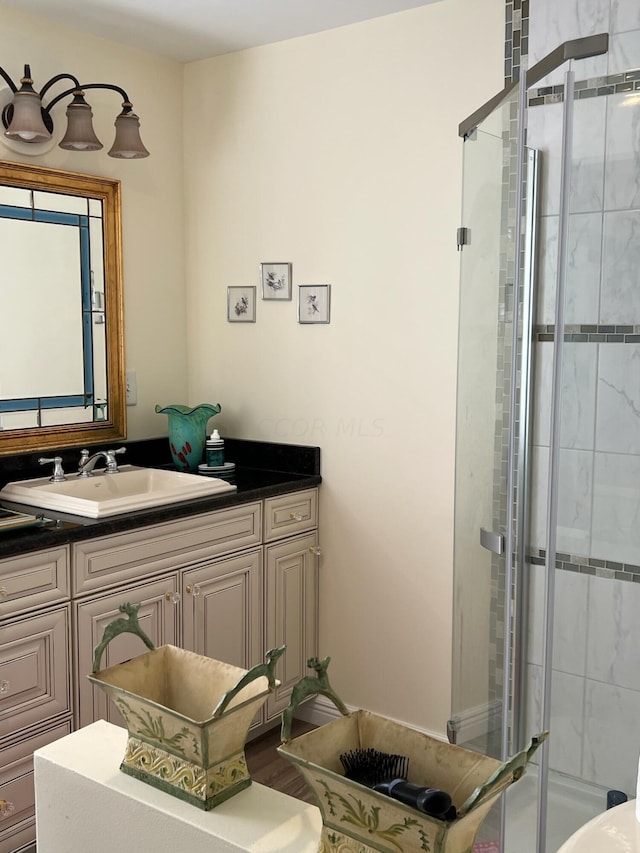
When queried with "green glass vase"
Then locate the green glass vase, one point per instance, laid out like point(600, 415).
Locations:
point(188, 432)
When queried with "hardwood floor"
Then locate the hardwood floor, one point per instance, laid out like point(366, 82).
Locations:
point(270, 769)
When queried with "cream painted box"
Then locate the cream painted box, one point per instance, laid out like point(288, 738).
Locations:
point(357, 819)
point(188, 717)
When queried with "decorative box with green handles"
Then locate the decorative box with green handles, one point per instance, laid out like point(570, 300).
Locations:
point(357, 819)
point(187, 715)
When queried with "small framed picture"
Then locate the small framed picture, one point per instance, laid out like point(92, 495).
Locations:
point(314, 303)
point(275, 278)
point(241, 304)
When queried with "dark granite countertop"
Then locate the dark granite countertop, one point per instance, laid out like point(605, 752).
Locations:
point(263, 470)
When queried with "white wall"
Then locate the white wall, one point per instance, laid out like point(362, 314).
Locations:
point(339, 152)
point(155, 311)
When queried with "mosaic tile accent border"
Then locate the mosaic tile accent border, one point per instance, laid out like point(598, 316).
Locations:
point(516, 37)
point(592, 88)
point(592, 334)
point(589, 566)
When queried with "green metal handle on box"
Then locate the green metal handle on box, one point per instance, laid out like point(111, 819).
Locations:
point(267, 669)
point(310, 685)
point(130, 625)
point(510, 771)
point(121, 626)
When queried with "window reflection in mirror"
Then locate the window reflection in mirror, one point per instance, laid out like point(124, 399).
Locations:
point(61, 348)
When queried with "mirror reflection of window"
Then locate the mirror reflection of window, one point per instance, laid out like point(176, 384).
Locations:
point(53, 284)
point(62, 376)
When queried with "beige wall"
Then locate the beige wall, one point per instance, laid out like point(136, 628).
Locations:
point(155, 312)
point(339, 152)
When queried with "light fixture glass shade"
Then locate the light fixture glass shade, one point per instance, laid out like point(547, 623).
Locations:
point(127, 145)
point(26, 122)
point(80, 135)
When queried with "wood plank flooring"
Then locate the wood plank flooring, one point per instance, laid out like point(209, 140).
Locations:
point(268, 768)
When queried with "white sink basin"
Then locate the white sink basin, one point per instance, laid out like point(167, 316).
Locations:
point(103, 494)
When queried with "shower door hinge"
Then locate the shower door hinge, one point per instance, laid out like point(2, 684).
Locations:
point(463, 238)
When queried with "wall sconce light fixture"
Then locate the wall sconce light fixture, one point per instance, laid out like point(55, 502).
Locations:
point(28, 119)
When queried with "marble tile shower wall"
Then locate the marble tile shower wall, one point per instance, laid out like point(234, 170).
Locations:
point(596, 686)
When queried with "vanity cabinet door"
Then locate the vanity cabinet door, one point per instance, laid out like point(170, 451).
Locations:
point(159, 618)
point(291, 569)
point(222, 609)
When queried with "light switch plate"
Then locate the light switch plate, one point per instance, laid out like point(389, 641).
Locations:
point(132, 388)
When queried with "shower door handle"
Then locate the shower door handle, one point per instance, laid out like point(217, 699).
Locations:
point(492, 541)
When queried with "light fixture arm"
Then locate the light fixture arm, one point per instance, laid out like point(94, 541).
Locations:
point(83, 87)
point(77, 85)
point(8, 80)
point(53, 81)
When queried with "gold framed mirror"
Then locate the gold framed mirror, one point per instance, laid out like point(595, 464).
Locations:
point(62, 379)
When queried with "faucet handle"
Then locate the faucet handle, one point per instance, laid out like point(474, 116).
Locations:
point(58, 473)
point(112, 465)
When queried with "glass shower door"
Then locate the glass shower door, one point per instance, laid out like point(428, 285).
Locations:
point(492, 436)
point(476, 711)
point(484, 347)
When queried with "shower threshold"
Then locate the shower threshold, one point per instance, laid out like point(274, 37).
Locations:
point(572, 803)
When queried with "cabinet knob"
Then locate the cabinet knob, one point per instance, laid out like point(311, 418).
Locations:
point(315, 549)
point(193, 589)
point(173, 597)
point(296, 516)
point(4, 687)
point(3, 592)
point(6, 808)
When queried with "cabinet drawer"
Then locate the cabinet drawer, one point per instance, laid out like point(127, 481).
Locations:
point(17, 827)
point(33, 580)
point(290, 514)
point(99, 563)
point(34, 670)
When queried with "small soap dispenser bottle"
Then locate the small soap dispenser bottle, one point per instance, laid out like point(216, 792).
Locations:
point(215, 450)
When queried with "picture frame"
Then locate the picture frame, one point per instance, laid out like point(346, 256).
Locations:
point(314, 303)
point(241, 304)
point(276, 280)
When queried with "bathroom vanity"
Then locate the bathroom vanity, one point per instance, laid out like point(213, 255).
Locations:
point(228, 576)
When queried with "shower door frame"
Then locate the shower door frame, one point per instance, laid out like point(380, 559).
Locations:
point(516, 536)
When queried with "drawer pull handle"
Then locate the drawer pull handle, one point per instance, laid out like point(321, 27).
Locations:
point(4, 687)
point(173, 597)
point(193, 589)
point(296, 516)
point(315, 549)
point(6, 808)
point(3, 592)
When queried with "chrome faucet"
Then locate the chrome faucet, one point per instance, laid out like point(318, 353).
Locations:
point(88, 463)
